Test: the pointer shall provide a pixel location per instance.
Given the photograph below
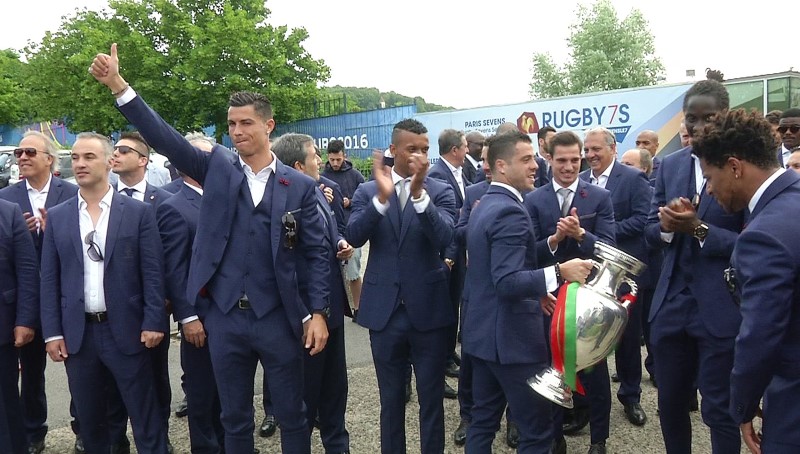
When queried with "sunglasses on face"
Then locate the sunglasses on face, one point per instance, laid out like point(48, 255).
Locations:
point(793, 128)
point(124, 149)
point(94, 249)
point(29, 152)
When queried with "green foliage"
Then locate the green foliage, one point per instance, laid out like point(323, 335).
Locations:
point(14, 100)
point(607, 54)
point(369, 98)
point(184, 56)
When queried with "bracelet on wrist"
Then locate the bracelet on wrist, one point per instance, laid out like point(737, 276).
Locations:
point(559, 279)
point(121, 91)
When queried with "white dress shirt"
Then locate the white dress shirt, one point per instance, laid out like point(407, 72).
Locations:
point(139, 189)
point(786, 154)
point(420, 205)
point(38, 198)
point(257, 182)
point(456, 171)
point(574, 188)
point(602, 179)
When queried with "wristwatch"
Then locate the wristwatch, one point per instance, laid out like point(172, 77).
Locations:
point(324, 312)
point(701, 231)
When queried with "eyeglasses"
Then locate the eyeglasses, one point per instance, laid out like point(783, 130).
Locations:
point(729, 275)
point(291, 229)
point(29, 152)
point(94, 249)
point(781, 129)
point(124, 149)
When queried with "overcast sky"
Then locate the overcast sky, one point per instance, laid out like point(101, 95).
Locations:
point(470, 53)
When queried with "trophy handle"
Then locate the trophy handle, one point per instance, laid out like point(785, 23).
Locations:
point(630, 298)
point(595, 264)
point(632, 284)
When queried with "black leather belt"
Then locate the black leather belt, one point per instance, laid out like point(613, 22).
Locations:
point(243, 303)
point(96, 317)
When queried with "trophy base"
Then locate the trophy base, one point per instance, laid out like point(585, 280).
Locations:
point(550, 384)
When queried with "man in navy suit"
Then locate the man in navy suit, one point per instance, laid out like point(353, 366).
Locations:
point(473, 170)
point(130, 162)
point(544, 173)
point(102, 299)
point(737, 155)
point(789, 130)
point(177, 224)
point(693, 319)
point(569, 216)
point(38, 192)
point(502, 314)
point(19, 319)
point(630, 197)
point(408, 219)
point(259, 217)
point(449, 169)
point(325, 388)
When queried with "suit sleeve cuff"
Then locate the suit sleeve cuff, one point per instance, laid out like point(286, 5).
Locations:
point(126, 97)
point(551, 283)
point(53, 338)
point(667, 237)
point(189, 319)
point(421, 204)
point(381, 208)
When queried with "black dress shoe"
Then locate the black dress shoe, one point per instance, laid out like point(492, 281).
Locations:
point(579, 420)
point(121, 448)
point(183, 409)
point(355, 315)
point(635, 414)
point(653, 381)
point(36, 447)
point(452, 370)
point(559, 446)
point(408, 392)
point(460, 435)
point(615, 378)
point(449, 392)
point(512, 435)
point(456, 358)
point(694, 404)
point(79, 449)
point(597, 448)
point(268, 427)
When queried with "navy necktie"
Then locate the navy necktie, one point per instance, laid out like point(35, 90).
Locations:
point(128, 191)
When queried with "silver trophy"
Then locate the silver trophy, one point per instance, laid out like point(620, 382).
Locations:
point(600, 319)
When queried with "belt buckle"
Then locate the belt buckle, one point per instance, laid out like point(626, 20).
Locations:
point(96, 317)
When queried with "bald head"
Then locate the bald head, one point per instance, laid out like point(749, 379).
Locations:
point(648, 140)
point(507, 127)
point(639, 158)
point(475, 142)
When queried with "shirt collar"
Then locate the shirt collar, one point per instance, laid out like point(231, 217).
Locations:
point(396, 178)
point(573, 187)
point(140, 187)
point(511, 189)
point(606, 173)
point(263, 173)
point(105, 201)
point(45, 188)
point(473, 161)
point(450, 166)
point(761, 189)
point(196, 189)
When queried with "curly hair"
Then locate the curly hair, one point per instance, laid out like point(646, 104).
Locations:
point(739, 134)
point(710, 88)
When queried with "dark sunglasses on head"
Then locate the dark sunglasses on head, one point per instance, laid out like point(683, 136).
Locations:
point(94, 249)
point(29, 152)
point(124, 149)
point(793, 128)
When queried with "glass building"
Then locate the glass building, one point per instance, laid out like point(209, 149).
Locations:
point(779, 91)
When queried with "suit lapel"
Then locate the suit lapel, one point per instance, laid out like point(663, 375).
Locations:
point(324, 209)
point(54, 193)
point(191, 196)
point(579, 202)
point(279, 194)
point(451, 179)
point(394, 214)
point(24, 201)
point(114, 221)
point(613, 178)
point(782, 182)
point(555, 207)
point(74, 229)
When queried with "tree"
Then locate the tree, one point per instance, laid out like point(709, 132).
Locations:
point(14, 99)
point(184, 56)
point(606, 54)
point(361, 98)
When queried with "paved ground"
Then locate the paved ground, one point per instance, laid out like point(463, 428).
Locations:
point(363, 412)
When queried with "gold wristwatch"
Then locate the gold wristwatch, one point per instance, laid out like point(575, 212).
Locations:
point(701, 231)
